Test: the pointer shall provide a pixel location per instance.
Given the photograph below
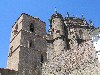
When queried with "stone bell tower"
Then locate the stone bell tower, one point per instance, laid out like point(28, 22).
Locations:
point(27, 46)
point(56, 42)
point(58, 34)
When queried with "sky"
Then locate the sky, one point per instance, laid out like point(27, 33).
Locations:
point(10, 10)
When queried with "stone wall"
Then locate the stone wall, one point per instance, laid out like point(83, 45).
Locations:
point(27, 46)
point(7, 72)
point(30, 54)
point(79, 60)
point(79, 57)
point(13, 56)
point(14, 47)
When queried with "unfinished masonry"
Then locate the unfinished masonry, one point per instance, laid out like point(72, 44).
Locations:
point(67, 49)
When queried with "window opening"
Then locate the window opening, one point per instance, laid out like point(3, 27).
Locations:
point(58, 31)
point(42, 60)
point(80, 34)
point(15, 30)
point(10, 54)
point(16, 27)
point(53, 29)
point(53, 21)
point(30, 44)
point(32, 27)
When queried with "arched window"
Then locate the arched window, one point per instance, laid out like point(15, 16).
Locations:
point(53, 21)
point(16, 27)
point(42, 60)
point(30, 43)
point(31, 27)
point(80, 34)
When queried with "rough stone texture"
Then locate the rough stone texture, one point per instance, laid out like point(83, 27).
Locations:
point(27, 46)
point(73, 53)
point(79, 60)
point(14, 48)
point(66, 50)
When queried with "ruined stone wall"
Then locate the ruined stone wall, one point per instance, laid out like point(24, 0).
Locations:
point(79, 60)
point(29, 53)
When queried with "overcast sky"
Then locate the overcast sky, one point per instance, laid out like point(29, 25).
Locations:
point(10, 10)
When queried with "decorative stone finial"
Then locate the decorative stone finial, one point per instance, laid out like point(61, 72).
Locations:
point(83, 17)
point(67, 14)
point(91, 23)
point(55, 10)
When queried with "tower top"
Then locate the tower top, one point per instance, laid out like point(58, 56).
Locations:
point(56, 15)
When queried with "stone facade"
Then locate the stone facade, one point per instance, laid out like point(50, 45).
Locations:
point(67, 49)
point(27, 46)
point(70, 50)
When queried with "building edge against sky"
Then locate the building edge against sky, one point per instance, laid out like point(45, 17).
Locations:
point(29, 18)
point(95, 31)
point(96, 41)
point(95, 35)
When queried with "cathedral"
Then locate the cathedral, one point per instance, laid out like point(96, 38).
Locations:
point(67, 48)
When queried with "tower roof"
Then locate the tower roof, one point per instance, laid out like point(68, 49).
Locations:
point(56, 15)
